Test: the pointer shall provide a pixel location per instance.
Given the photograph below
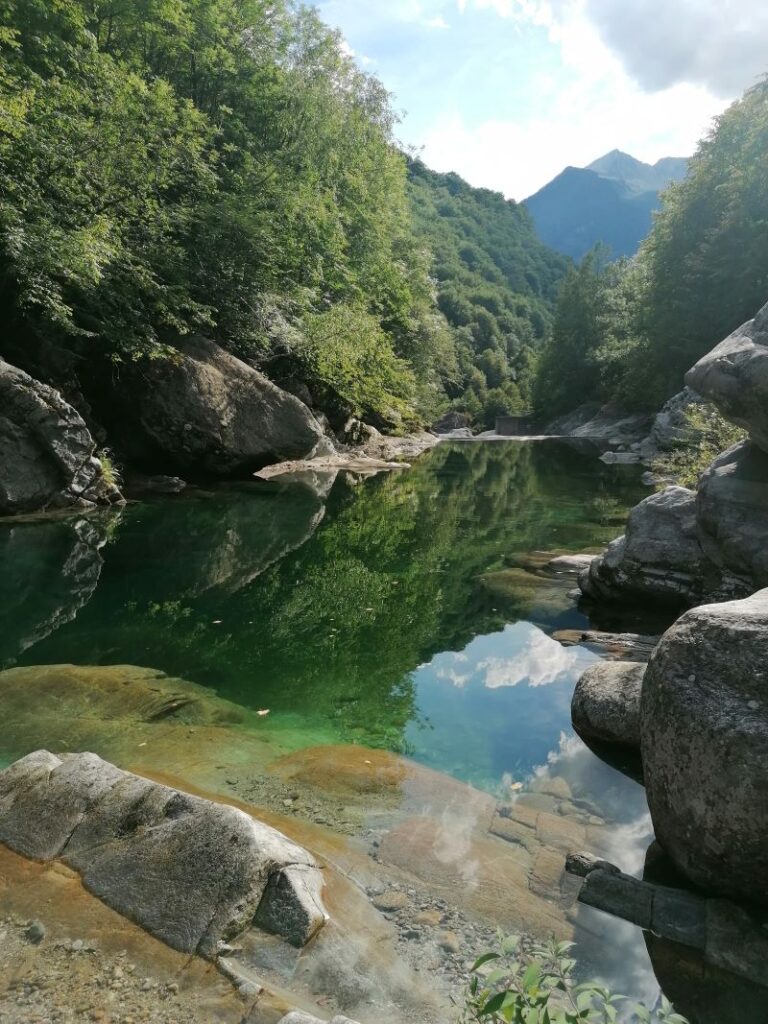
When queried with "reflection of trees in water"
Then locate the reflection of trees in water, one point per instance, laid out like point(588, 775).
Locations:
point(249, 594)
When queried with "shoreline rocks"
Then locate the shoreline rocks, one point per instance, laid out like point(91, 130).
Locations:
point(606, 703)
point(47, 454)
point(207, 412)
point(192, 872)
point(704, 743)
point(732, 513)
point(659, 557)
point(734, 377)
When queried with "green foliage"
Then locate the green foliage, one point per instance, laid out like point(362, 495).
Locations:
point(496, 286)
point(109, 468)
point(535, 984)
point(347, 354)
point(708, 435)
point(169, 166)
point(706, 260)
point(631, 331)
point(584, 359)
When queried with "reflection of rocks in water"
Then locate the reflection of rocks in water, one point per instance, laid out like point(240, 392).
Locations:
point(703, 993)
point(50, 571)
point(225, 538)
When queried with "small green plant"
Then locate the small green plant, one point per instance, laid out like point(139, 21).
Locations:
point(708, 434)
point(109, 468)
point(535, 984)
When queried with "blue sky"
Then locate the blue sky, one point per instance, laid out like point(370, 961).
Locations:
point(508, 92)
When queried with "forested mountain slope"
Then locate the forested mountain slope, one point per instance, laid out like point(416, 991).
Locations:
point(629, 331)
point(223, 167)
point(497, 285)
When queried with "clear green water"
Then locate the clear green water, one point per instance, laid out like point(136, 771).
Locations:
point(324, 611)
point(359, 615)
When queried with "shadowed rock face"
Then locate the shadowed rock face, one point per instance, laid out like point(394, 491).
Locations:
point(734, 377)
point(50, 570)
point(46, 451)
point(660, 556)
point(207, 412)
point(192, 872)
point(732, 512)
point(704, 732)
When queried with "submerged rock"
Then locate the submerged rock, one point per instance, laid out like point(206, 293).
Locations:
point(606, 703)
point(704, 733)
point(47, 454)
point(192, 872)
point(206, 411)
point(734, 377)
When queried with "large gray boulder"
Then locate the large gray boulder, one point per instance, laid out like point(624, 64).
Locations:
point(606, 703)
point(732, 513)
point(192, 872)
point(659, 557)
point(734, 377)
point(704, 744)
point(205, 411)
point(47, 454)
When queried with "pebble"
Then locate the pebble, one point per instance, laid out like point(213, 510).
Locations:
point(449, 942)
point(35, 933)
point(390, 901)
point(77, 945)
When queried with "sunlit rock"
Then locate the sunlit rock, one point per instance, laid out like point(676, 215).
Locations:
point(192, 872)
point(606, 703)
point(704, 729)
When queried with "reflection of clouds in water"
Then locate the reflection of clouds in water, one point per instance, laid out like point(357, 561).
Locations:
point(454, 843)
point(607, 947)
point(521, 653)
point(616, 797)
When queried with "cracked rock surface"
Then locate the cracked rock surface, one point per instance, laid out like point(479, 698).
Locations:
point(194, 873)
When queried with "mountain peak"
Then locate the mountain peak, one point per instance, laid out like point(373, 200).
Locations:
point(611, 201)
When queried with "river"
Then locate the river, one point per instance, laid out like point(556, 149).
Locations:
point(404, 613)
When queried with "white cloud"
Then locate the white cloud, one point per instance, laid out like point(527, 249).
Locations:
point(721, 44)
point(586, 109)
point(536, 659)
point(518, 157)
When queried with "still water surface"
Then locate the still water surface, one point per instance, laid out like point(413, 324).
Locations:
point(387, 612)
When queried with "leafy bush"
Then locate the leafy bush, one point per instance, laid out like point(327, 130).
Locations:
point(347, 354)
point(708, 435)
point(519, 984)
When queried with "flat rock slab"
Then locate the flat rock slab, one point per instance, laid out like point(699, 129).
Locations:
point(192, 872)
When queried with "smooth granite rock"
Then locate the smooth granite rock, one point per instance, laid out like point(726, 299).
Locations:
point(207, 412)
point(192, 872)
point(732, 513)
point(734, 377)
point(659, 557)
point(47, 454)
point(606, 703)
point(704, 744)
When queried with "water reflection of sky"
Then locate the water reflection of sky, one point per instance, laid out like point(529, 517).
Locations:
point(498, 707)
point(499, 712)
